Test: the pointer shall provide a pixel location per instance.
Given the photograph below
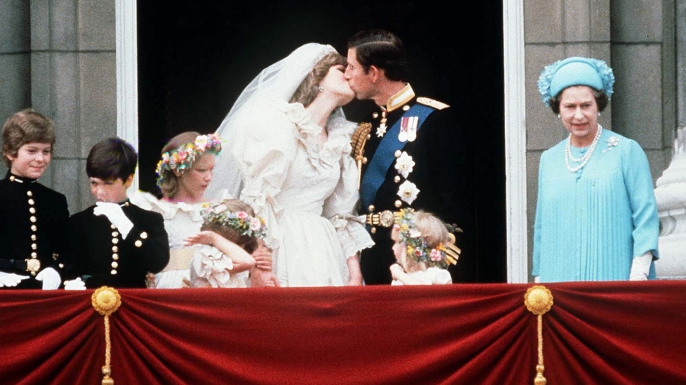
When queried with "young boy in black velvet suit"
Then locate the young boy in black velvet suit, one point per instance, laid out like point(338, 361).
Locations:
point(32, 216)
point(114, 242)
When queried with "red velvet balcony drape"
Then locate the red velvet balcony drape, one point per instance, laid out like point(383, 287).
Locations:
point(595, 333)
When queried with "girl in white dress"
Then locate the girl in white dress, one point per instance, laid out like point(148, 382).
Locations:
point(183, 174)
point(289, 158)
point(229, 234)
point(424, 248)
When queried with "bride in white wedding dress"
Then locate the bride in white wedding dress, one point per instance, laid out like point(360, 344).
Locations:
point(289, 158)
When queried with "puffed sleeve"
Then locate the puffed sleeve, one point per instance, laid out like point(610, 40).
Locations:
point(339, 208)
point(639, 184)
point(265, 148)
point(210, 268)
point(439, 276)
point(142, 199)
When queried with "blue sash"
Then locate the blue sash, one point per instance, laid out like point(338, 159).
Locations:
point(384, 156)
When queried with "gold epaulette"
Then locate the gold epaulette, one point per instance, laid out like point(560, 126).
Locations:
point(432, 103)
point(357, 141)
point(452, 252)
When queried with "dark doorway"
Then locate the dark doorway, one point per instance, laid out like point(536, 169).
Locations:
point(196, 57)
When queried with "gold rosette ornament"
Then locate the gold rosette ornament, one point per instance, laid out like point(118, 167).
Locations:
point(106, 300)
point(539, 301)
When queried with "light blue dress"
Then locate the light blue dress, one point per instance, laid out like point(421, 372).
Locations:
point(591, 223)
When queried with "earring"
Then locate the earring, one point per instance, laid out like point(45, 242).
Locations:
point(320, 88)
point(558, 116)
point(598, 113)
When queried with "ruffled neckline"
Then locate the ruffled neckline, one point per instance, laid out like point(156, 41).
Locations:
point(338, 140)
point(168, 210)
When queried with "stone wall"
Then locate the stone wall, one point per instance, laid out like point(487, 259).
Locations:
point(60, 59)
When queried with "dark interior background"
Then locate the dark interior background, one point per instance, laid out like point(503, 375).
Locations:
point(195, 57)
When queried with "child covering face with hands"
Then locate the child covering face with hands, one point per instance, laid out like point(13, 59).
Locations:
point(231, 246)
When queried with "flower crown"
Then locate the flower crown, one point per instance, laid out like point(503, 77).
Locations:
point(242, 222)
point(182, 158)
point(441, 256)
point(546, 78)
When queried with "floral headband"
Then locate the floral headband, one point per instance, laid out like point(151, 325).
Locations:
point(182, 158)
point(441, 256)
point(241, 221)
point(575, 71)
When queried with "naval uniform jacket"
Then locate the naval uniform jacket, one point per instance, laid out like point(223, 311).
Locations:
point(33, 222)
point(441, 173)
point(104, 258)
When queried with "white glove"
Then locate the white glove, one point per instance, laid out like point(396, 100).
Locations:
point(50, 277)
point(75, 284)
point(537, 279)
point(116, 215)
point(640, 267)
point(11, 279)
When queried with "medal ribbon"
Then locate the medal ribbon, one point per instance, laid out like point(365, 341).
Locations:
point(384, 156)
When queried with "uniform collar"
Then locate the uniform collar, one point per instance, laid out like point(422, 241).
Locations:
point(19, 179)
point(401, 98)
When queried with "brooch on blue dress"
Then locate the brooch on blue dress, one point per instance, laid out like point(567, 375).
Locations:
point(612, 142)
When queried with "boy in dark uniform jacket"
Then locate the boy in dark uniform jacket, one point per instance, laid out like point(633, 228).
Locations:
point(411, 152)
point(32, 216)
point(116, 243)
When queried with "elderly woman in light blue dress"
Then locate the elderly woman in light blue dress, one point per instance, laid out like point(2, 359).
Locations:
point(596, 214)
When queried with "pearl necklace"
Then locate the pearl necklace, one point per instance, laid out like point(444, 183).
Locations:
point(586, 157)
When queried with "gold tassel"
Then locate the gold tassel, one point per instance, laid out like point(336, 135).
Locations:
point(106, 300)
point(539, 301)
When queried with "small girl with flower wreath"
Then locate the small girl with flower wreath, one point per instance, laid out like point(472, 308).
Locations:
point(183, 173)
point(230, 233)
point(424, 248)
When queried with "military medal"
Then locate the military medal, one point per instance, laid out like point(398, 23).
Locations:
point(402, 136)
point(408, 128)
point(381, 130)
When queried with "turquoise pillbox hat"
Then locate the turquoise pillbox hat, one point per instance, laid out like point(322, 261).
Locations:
point(575, 71)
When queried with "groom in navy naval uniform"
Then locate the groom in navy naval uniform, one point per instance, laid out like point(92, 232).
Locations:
point(411, 153)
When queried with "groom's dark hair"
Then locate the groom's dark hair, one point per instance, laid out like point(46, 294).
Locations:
point(381, 49)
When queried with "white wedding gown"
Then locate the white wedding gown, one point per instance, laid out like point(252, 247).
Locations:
point(305, 189)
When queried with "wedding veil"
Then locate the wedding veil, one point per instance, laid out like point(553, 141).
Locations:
point(278, 81)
